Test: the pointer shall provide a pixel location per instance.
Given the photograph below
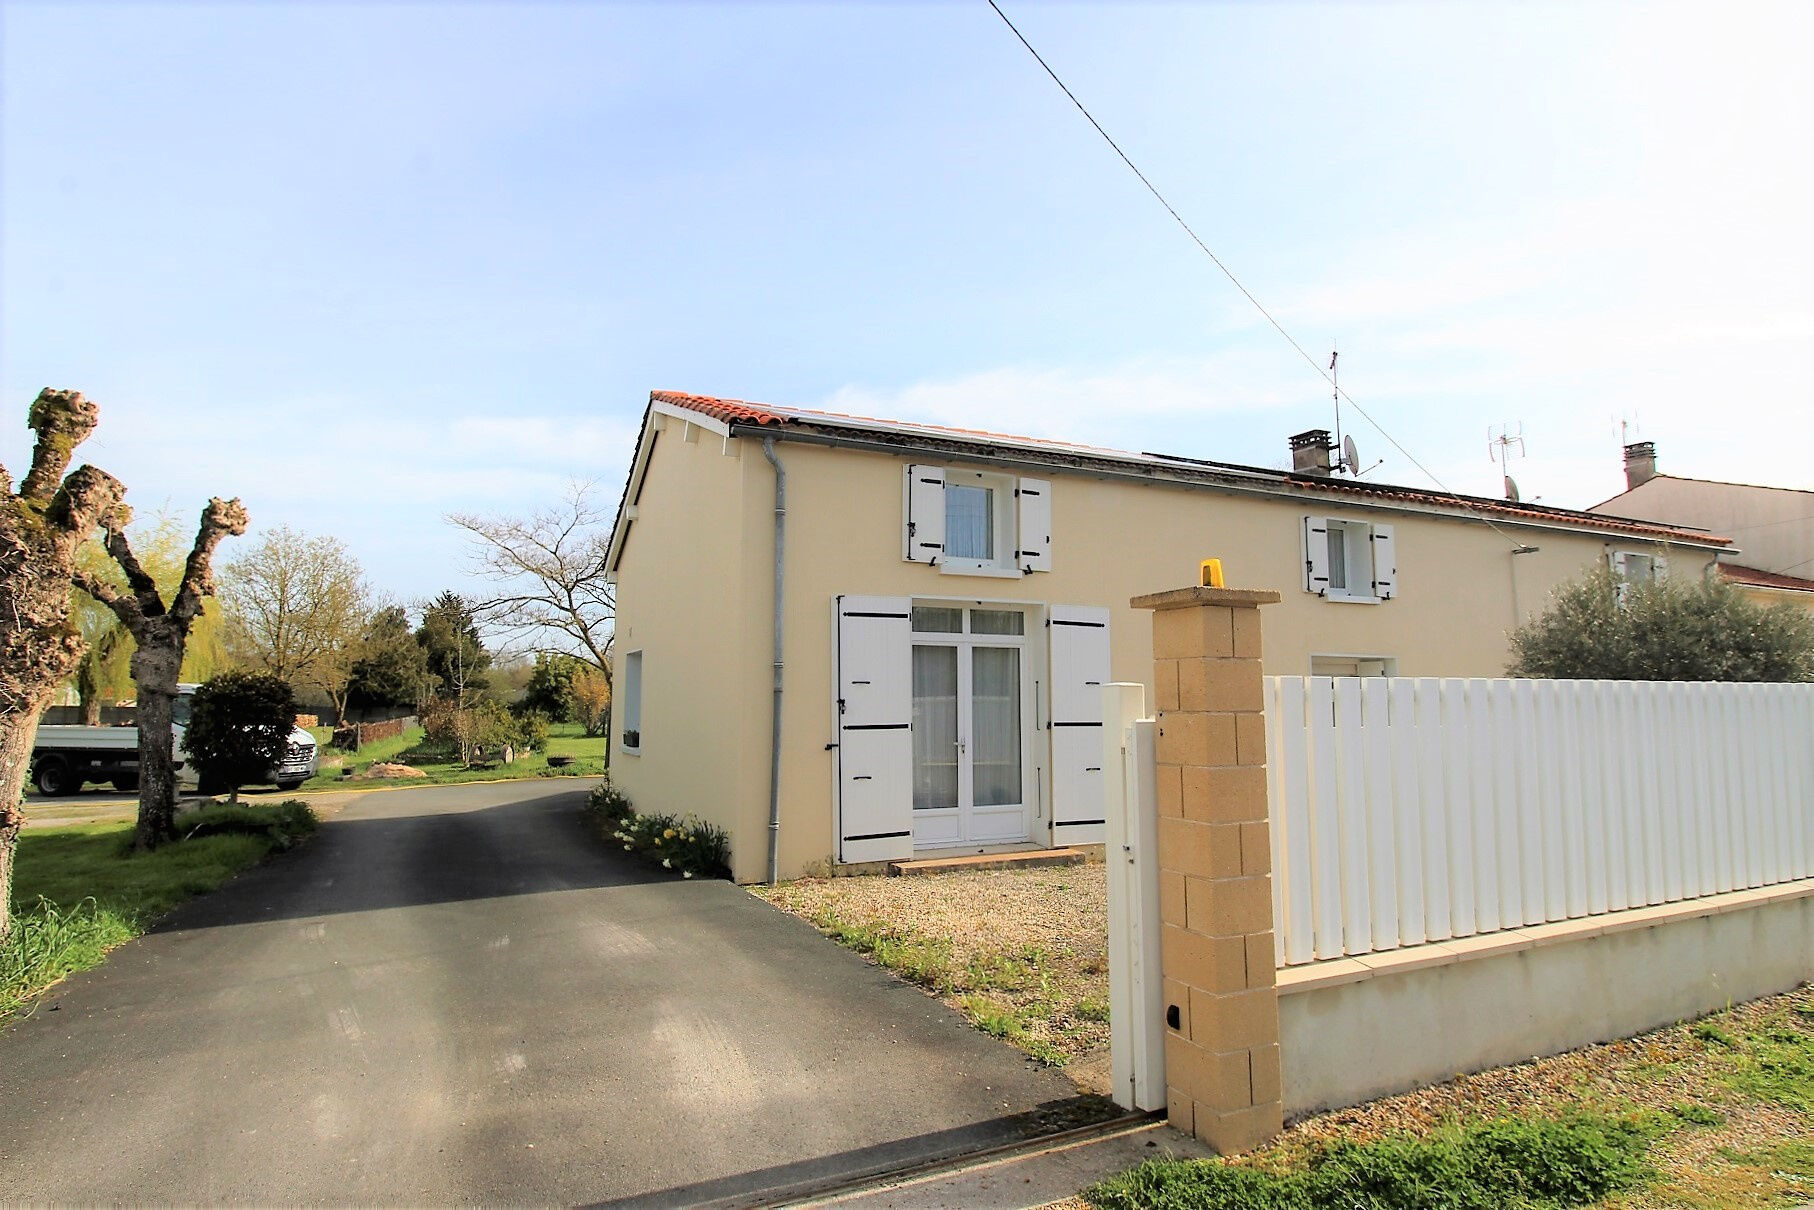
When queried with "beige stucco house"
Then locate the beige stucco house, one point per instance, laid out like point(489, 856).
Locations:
point(1771, 559)
point(849, 640)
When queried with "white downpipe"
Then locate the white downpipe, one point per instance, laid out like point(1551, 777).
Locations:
point(774, 733)
point(1136, 983)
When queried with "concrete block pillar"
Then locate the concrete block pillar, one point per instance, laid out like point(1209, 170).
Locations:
point(1215, 866)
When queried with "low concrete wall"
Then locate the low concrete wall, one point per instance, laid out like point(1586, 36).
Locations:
point(1355, 1029)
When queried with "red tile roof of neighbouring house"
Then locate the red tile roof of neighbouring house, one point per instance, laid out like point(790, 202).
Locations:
point(1161, 466)
point(1758, 578)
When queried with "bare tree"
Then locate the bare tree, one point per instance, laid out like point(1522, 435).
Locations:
point(161, 632)
point(297, 607)
point(550, 567)
point(42, 526)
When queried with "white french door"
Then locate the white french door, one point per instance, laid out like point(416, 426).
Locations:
point(972, 694)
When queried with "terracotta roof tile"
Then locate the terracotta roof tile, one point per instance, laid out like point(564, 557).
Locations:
point(1759, 578)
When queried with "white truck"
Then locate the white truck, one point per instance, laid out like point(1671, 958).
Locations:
point(66, 758)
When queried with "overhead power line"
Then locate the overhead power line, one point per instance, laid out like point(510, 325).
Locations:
point(1312, 362)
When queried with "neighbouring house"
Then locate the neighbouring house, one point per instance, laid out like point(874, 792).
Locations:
point(1771, 559)
point(859, 640)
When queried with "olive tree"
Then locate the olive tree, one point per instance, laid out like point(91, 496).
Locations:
point(43, 523)
point(1599, 628)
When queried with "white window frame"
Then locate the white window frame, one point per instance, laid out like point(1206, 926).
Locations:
point(1357, 564)
point(630, 722)
point(1388, 663)
point(1006, 522)
point(1620, 559)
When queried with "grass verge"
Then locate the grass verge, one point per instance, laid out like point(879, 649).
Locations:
point(1720, 1111)
point(587, 755)
point(1570, 1161)
point(80, 891)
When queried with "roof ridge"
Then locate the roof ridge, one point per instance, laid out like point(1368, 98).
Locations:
point(740, 411)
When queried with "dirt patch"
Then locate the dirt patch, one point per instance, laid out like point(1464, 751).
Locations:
point(386, 771)
point(1022, 953)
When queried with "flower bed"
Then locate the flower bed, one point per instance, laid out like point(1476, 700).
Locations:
point(684, 844)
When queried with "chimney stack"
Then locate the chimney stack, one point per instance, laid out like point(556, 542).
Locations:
point(1310, 452)
point(1640, 463)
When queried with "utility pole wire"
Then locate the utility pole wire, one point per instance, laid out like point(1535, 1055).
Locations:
point(1229, 274)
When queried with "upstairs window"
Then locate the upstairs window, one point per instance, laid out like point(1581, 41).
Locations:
point(1630, 567)
point(981, 523)
point(1349, 560)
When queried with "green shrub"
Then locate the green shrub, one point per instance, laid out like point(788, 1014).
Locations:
point(532, 731)
point(1549, 1163)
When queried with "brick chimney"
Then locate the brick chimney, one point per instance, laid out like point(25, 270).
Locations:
point(1310, 452)
point(1640, 463)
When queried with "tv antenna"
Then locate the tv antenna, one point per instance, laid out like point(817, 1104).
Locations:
point(1501, 442)
point(1349, 460)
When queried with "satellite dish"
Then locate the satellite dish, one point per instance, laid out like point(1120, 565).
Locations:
point(1350, 456)
point(1511, 489)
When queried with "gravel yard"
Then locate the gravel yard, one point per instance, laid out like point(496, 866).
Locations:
point(1022, 953)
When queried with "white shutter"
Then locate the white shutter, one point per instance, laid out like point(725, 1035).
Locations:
point(1034, 498)
point(1659, 567)
point(923, 509)
point(1385, 563)
point(1080, 668)
point(875, 736)
point(1316, 555)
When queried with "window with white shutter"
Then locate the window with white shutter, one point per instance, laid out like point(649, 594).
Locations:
point(976, 522)
point(1034, 539)
point(923, 514)
point(1349, 560)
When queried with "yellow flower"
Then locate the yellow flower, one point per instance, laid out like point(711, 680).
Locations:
point(668, 835)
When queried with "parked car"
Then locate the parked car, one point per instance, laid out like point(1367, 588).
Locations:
point(64, 759)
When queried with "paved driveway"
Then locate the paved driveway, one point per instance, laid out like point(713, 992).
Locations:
point(455, 995)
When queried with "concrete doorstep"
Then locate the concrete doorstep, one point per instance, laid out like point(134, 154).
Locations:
point(1036, 1173)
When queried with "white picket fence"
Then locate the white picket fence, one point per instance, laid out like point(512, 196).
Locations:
point(1409, 810)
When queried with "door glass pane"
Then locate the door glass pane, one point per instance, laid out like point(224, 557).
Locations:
point(969, 522)
point(934, 727)
point(997, 621)
point(933, 619)
point(995, 720)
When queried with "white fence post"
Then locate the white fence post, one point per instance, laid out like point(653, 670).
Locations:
point(1136, 983)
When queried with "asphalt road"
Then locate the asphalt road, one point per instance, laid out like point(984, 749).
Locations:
point(455, 994)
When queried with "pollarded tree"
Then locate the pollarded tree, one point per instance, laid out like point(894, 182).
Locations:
point(161, 631)
point(1598, 628)
point(239, 726)
point(42, 526)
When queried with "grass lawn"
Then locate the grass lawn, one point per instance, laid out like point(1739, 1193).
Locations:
point(79, 891)
point(1717, 1113)
point(443, 766)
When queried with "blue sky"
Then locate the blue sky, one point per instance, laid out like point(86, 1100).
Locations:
point(366, 264)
